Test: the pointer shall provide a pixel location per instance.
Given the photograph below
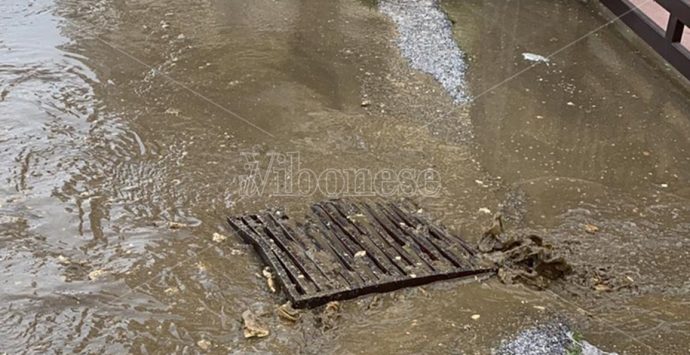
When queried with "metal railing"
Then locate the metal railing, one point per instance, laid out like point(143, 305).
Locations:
point(665, 41)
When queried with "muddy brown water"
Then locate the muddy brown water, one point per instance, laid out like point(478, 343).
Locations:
point(119, 117)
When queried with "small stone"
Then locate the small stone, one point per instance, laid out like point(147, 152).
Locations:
point(360, 254)
point(365, 103)
point(204, 344)
point(96, 274)
point(475, 316)
point(484, 210)
point(591, 229)
point(177, 225)
point(602, 288)
point(219, 238)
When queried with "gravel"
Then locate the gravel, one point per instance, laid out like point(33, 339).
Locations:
point(546, 339)
point(425, 38)
point(551, 338)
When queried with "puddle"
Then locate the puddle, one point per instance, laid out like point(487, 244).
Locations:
point(119, 118)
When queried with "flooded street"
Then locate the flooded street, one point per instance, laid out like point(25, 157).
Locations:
point(118, 118)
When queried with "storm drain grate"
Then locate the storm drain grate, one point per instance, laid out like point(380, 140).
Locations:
point(346, 249)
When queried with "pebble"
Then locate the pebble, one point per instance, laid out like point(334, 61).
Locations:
point(219, 238)
point(203, 344)
point(591, 229)
point(96, 274)
point(177, 225)
point(484, 210)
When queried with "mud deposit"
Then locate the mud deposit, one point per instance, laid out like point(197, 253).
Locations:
point(125, 132)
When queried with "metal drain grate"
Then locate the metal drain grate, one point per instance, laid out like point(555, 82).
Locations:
point(346, 249)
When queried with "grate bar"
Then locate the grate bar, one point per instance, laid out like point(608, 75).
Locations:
point(347, 249)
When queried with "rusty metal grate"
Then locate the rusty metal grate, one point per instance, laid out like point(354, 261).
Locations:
point(346, 249)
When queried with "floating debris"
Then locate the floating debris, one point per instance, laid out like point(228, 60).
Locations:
point(591, 229)
point(491, 238)
point(172, 111)
point(484, 210)
point(177, 225)
point(270, 280)
point(204, 344)
point(330, 314)
point(602, 287)
point(288, 313)
point(63, 260)
point(253, 327)
point(526, 259)
point(531, 57)
point(97, 274)
point(219, 238)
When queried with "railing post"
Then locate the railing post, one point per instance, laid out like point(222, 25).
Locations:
point(665, 42)
point(674, 30)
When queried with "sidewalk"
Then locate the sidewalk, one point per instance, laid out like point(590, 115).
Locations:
point(660, 16)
